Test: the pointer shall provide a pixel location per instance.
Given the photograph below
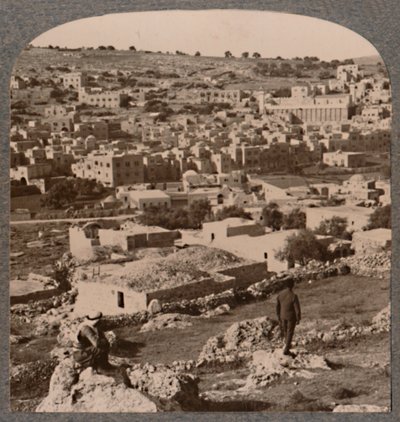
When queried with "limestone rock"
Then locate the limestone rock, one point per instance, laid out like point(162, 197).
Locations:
point(162, 382)
point(239, 340)
point(91, 393)
point(15, 339)
point(381, 321)
point(267, 366)
point(220, 310)
point(163, 321)
point(154, 307)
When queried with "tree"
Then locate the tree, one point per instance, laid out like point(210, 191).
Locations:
point(59, 195)
point(197, 53)
point(190, 217)
point(110, 47)
point(198, 211)
point(132, 48)
point(296, 219)
point(68, 190)
point(232, 211)
point(245, 54)
point(324, 74)
point(348, 61)
point(228, 54)
point(282, 92)
point(256, 55)
point(63, 272)
point(301, 248)
point(272, 217)
point(380, 218)
point(102, 47)
point(335, 226)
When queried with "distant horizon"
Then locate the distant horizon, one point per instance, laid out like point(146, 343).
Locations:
point(172, 53)
point(212, 32)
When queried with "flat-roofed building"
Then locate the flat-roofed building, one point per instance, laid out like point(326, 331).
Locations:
point(76, 80)
point(144, 199)
point(357, 217)
point(111, 169)
point(106, 99)
point(344, 159)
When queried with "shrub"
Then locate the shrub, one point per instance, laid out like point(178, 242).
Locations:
point(302, 248)
point(380, 218)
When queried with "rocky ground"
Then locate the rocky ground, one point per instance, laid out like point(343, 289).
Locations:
point(221, 352)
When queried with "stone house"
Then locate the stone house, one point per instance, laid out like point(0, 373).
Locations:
point(344, 159)
point(357, 217)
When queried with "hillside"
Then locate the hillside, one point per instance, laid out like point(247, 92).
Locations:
point(244, 73)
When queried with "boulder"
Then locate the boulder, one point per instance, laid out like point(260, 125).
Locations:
point(164, 321)
point(154, 307)
point(381, 321)
point(267, 366)
point(93, 393)
point(360, 408)
point(15, 339)
point(220, 310)
point(162, 382)
point(239, 341)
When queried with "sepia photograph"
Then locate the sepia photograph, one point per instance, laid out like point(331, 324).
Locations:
point(200, 216)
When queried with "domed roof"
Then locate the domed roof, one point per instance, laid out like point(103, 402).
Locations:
point(110, 199)
point(189, 173)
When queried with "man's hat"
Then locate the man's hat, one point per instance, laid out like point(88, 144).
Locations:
point(93, 316)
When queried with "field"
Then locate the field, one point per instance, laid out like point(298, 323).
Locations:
point(324, 304)
point(37, 259)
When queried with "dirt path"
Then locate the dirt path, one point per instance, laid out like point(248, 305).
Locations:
point(69, 220)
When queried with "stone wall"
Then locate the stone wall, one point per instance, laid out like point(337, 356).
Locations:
point(162, 239)
point(248, 273)
point(34, 296)
point(131, 241)
point(238, 278)
point(251, 230)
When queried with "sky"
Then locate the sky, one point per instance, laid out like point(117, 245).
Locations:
point(213, 32)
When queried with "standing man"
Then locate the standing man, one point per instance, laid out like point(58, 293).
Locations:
point(289, 315)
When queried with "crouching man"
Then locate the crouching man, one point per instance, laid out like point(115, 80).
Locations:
point(289, 315)
point(91, 349)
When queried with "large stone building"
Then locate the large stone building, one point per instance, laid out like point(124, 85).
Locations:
point(101, 98)
point(321, 108)
point(111, 169)
point(76, 80)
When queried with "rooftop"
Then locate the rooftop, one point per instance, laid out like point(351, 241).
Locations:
point(376, 234)
point(148, 194)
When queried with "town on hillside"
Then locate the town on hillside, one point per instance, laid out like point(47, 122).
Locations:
point(173, 196)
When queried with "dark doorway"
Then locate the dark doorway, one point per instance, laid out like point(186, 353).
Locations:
point(121, 302)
